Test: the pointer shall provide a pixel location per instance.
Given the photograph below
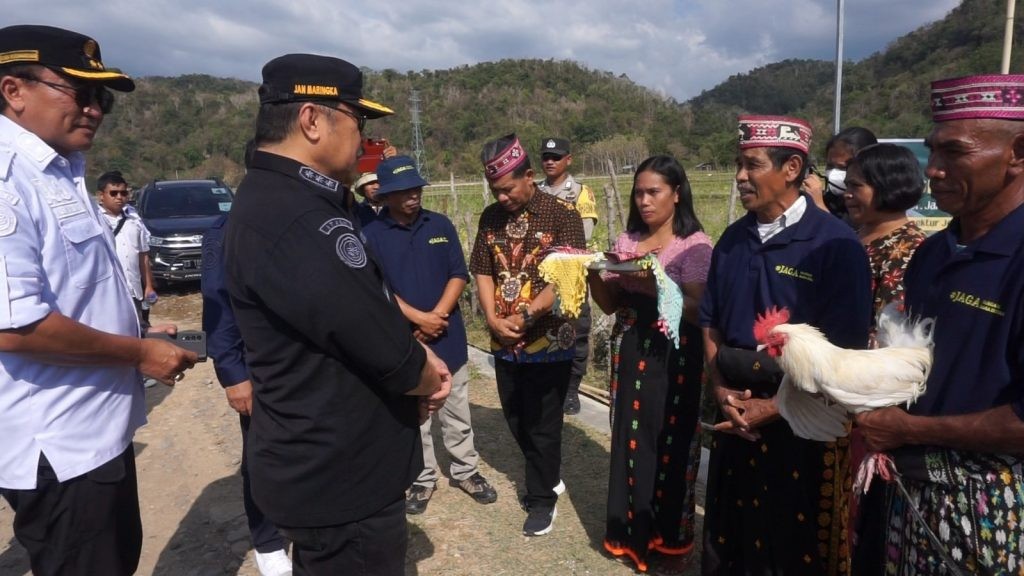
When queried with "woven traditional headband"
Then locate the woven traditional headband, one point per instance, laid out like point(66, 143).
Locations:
point(774, 131)
point(508, 160)
point(985, 96)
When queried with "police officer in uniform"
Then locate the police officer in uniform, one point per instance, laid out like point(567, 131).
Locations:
point(340, 383)
point(556, 158)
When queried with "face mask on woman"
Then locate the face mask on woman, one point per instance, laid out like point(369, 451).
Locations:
point(836, 181)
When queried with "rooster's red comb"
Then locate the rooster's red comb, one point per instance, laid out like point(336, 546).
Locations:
point(769, 320)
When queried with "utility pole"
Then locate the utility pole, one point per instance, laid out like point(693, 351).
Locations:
point(1008, 36)
point(418, 153)
point(840, 5)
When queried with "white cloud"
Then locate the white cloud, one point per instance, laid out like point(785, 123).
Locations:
point(677, 47)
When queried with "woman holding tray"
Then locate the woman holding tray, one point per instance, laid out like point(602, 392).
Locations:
point(657, 368)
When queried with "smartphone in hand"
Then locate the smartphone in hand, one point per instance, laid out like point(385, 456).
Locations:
point(193, 340)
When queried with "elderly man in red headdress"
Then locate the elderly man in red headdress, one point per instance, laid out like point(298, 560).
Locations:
point(533, 349)
point(959, 448)
point(775, 502)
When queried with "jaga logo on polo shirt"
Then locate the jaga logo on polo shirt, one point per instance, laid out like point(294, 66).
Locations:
point(438, 240)
point(784, 270)
point(977, 302)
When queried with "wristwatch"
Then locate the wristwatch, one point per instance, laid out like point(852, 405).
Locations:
point(528, 319)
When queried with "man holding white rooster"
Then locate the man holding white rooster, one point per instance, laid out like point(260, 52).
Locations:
point(776, 503)
point(959, 448)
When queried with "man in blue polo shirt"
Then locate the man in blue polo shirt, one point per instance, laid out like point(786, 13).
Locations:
point(776, 502)
point(423, 263)
point(959, 447)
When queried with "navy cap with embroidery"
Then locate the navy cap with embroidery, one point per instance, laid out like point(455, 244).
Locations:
point(398, 173)
point(66, 52)
point(310, 77)
point(552, 145)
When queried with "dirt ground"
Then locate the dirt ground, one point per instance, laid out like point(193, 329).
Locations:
point(191, 498)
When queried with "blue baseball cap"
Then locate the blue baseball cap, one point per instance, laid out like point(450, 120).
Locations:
point(398, 173)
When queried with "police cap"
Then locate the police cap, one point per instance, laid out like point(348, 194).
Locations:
point(553, 145)
point(66, 52)
point(309, 77)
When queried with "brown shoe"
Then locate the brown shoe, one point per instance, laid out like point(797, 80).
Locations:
point(477, 487)
point(417, 499)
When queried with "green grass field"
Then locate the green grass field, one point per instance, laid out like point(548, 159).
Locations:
point(710, 198)
point(463, 207)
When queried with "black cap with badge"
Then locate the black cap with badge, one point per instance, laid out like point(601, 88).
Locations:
point(558, 146)
point(310, 77)
point(66, 52)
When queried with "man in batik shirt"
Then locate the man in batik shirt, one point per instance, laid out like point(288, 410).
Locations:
point(533, 349)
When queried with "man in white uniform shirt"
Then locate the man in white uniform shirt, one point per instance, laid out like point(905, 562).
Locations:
point(71, 395)
point(131, 238)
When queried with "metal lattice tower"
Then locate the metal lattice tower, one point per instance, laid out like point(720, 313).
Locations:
point(418, 153)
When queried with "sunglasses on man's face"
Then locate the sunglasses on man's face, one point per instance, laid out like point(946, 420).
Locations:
point(359, 119)
point(84, 94)
point(115, 193)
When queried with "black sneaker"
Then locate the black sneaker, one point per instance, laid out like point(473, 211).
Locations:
point(559, 489)
point(539, 521)
point(417, 499)
point(477, 487)
point(572, 403)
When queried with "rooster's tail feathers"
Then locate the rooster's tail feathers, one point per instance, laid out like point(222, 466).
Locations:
point(896, 330)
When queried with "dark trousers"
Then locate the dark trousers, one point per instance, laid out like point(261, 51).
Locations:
point(265, 537)
point(579, 360)
point(85, 526)
point(374, 546)
point(531, 399)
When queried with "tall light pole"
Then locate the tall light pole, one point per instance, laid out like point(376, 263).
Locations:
point(840, 4)
point(1008, 36)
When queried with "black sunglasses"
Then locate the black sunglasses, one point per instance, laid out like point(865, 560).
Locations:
point(124, 193)
point(84, 94)
point(359, 118)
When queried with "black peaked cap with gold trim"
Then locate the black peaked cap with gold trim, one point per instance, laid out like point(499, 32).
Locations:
point(310, 77)
point(66, 52)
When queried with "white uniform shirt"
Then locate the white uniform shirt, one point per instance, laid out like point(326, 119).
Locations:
point(57, 255)
point(132, 240)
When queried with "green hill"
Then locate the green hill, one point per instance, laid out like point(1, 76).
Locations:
point(196, 126)
point(886, 92)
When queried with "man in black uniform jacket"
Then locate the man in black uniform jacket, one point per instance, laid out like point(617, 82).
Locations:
point(340, 383)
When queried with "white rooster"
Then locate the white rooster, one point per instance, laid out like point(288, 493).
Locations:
point(824, 384)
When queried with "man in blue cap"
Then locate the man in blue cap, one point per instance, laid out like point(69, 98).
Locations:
point(422, 259)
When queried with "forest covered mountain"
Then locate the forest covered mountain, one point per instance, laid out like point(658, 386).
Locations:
point(197, 125)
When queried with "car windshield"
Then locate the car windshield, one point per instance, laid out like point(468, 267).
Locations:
point(185, 201)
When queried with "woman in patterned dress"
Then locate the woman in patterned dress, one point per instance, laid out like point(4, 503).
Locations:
point(655, 385)
point(883, 181)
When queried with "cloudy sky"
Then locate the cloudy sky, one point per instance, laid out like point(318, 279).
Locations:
point(677, 47)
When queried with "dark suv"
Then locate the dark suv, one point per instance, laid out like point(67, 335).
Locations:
point(177, 213)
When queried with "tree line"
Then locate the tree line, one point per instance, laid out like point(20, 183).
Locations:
point(197, 125)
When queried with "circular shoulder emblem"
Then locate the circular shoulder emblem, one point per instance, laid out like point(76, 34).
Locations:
point(350, 251)
point(8, 221)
